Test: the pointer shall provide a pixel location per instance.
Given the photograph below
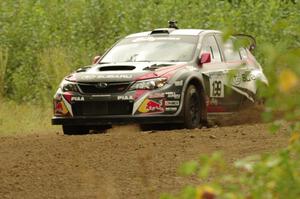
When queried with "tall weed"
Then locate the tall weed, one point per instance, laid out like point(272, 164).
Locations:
point(3, 65)
point(25, 118)
point(54, 64)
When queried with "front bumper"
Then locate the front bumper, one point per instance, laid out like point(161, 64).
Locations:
point(109, 120)
point(138, 106)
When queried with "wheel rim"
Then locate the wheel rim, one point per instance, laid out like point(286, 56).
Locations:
point(194, 109)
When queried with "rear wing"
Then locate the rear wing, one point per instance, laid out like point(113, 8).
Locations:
point(251, 44)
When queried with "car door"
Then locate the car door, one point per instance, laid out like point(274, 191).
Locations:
point(215, 74)
point(242, 72)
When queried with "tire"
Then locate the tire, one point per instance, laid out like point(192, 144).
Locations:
point(192, 108)
point(75, 130)
point(101, 129)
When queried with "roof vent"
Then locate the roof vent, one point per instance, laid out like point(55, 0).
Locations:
point(161, 31)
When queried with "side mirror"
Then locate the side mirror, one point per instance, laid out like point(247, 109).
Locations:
point(205, 58)
point(96, 59)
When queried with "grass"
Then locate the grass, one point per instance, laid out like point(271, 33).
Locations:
point(3, 64)
point(25, 119)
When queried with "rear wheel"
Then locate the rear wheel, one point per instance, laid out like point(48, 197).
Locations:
point(75, 130)
point(192, 108)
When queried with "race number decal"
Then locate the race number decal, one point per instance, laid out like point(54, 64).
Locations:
point(216, 88)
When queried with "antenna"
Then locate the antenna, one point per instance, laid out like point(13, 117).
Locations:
point(173, 24)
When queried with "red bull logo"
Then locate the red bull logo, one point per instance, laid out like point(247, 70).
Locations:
point(151, 106)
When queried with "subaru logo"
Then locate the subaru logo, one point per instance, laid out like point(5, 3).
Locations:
point(101, 85)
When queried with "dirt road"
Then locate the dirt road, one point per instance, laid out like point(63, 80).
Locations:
point(124, 163)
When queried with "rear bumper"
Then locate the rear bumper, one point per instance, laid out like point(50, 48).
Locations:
point(101, 120)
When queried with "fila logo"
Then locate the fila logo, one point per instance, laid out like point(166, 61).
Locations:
point(77, 98)
point(125, 97)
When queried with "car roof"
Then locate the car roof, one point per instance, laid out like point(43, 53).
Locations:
point(172, 31)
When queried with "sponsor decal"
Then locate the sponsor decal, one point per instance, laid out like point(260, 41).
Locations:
point(178, 83)
point(213, 102)
point(173, 109)
point(125, 97)
point(149, 106)
point(78, 98)
point(60, 108)
point(157, 95)
point(67, 102)
point(244, 77)
point(117, 76)
point(172, 103)
point(68, 96)
point(173, 95)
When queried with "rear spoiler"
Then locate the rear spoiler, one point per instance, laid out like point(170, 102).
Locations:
point(252, 40)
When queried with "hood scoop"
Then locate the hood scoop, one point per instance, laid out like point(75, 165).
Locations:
point(116, 68)
point(84, 69)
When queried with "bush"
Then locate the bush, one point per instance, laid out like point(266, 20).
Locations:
point(265, 176)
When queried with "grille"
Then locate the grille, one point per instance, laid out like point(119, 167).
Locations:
point(95, 88)
point(98, 108)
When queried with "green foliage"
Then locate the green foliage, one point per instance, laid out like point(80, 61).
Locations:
point(265, 176)
point(75, 31)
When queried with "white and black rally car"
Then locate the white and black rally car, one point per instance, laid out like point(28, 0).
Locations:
point(167, 75)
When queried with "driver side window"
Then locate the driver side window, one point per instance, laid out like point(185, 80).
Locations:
point(210, 45)
point(230, 53)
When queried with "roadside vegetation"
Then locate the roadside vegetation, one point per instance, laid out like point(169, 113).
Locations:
point(41, 41)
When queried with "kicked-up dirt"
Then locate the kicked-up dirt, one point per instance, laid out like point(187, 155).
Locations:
point(123, 163)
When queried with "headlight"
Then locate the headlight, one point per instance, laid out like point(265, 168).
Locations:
point(68, 86)
point(149, 84)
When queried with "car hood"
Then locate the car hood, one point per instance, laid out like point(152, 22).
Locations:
point(124, 72)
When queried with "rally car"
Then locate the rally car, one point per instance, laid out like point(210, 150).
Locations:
point(167, 75)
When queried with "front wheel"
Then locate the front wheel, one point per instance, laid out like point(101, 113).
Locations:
point(192, 108)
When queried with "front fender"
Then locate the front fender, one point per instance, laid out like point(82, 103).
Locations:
point(187, 78)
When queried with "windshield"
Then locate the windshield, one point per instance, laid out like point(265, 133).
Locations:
point(153, 49)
